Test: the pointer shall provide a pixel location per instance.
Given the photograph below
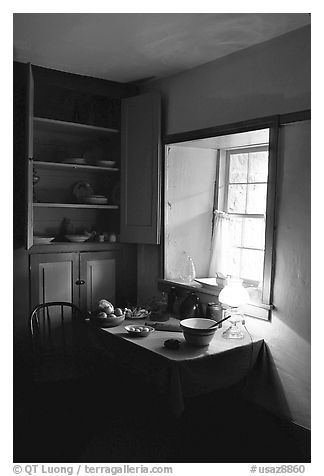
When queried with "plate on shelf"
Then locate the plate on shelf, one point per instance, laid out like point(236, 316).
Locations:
point(82, 190)
point(76, 160)
point(96, 200)
point(106, 163)
point(208, 283)
point(77, 238)
point(42, 240)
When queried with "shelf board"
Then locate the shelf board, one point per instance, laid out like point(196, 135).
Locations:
point(57, 165)
point(54, 124)
point(61, 246)
point(74, 205)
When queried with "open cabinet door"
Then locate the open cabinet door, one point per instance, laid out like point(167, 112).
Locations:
point(30, 154)
point(140, 169)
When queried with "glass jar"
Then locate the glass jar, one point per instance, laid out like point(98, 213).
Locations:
point(214, 311)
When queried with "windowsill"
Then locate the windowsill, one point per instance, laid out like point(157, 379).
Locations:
point(258, 311)
point(167, 283)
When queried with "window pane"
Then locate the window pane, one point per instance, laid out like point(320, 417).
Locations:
point(235, 230)
point(252, 264)
point(256, 198)
point(253, 233)
point(255, 294)
point(236, 198)
point(258, 167)
point(234, 262)
point(238, 167)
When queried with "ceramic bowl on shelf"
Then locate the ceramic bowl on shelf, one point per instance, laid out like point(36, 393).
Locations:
point(197, 331)
point(96, 200)
point(76, 161)
point(77, 238)
point(139, 331)
point(106, 163)
point(43, 240)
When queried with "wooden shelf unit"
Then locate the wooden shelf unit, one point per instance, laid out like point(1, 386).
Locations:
point(73, 125)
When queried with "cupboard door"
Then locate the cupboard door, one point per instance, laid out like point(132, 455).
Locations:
point(140, 169)
point(53, 278)
point(99, 271)
point(30, 154)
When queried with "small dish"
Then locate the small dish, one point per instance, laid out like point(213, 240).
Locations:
point(139, 331)
point(77, 238)
point(106, 163)
point(43, 240)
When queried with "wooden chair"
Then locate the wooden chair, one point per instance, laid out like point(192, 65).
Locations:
point(59, 401)
point(60, 348)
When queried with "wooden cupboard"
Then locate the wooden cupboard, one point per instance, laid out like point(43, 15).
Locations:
point(93, 160)
point(140, 162)
point(73, 157)
point(89, 134)
point(54, 278)
point(81, 278)
point(99, 271)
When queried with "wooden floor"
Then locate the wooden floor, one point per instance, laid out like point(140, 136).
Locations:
point(126, 421)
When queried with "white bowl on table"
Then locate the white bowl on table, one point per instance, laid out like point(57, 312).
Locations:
point(197, 330)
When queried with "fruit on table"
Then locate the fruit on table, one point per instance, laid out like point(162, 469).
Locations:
point(118, 312)
point(139, 329)
point(136, 313)
point(140, 313)
point(128, 313)
point(106, 306)
point(101, 315)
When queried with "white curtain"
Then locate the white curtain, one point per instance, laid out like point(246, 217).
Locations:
point(221, 245)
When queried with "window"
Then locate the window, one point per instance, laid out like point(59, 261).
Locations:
point(244, 201)
point(219, 211)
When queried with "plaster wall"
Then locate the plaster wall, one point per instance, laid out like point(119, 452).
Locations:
point(271, 78)
point(289, 332)
point(189, 200)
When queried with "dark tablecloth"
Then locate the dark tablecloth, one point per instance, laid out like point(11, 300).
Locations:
point(186, 372)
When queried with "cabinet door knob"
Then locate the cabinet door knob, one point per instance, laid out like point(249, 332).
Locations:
point(79, 282)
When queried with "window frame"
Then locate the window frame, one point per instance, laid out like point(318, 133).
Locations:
point(222, 201)
point(259, 310)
